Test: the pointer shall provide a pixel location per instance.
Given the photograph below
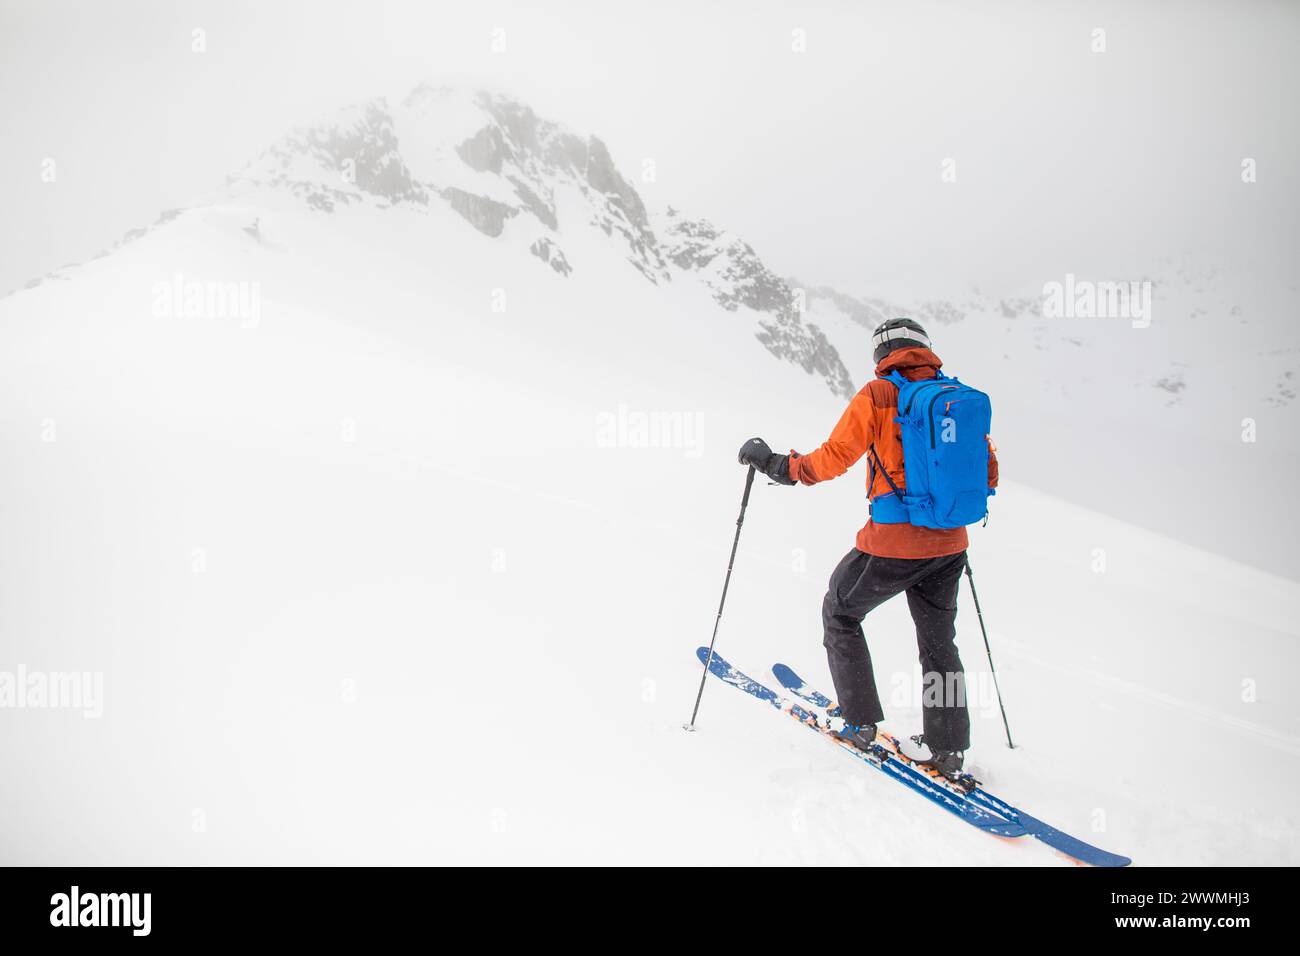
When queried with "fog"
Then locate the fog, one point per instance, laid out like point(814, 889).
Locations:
point(819, 132)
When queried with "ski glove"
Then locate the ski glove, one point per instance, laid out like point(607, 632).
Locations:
point(757, 453)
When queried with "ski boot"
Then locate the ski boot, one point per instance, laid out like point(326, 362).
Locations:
point(947, 763)
point(862, 736)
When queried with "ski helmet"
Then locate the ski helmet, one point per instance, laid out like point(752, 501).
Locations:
point(898, 334)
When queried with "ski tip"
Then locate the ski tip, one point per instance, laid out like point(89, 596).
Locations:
point(717, 664)
point(792, 682)
point(786, 676)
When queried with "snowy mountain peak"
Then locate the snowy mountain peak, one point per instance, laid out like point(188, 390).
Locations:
point(352, 156)
point(514, 175)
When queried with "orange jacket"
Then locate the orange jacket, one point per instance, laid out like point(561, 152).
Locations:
point(870, 418)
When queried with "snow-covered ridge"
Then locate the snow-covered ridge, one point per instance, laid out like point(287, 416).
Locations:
point(494, 162)
point(1176, 398)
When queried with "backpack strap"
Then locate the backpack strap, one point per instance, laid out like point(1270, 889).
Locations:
point(875, 464)
point(898, 379)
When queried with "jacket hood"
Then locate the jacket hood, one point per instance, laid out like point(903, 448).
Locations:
point(910, 360)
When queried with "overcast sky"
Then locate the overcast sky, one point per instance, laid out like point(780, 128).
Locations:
point(828, 161)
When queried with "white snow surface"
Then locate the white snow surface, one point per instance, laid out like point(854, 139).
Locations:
point(373, 580)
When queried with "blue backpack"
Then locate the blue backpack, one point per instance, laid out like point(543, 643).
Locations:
point(945, 428)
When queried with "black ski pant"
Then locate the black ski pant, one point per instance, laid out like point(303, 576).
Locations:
point(862, 582)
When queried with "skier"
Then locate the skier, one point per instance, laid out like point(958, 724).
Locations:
point(891, 557)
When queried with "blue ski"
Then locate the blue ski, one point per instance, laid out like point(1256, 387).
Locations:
point(1056, 839)
point(980, 817)
point(795, 685)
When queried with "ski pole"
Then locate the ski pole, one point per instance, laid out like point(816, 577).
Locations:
point(980, 614)
point(744, 503)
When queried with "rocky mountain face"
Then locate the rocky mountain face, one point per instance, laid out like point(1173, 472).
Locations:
point(346, 161)
point(495, 163)
point(737, 277)
point(533, 184)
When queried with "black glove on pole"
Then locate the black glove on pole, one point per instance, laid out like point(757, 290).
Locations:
point(744, 503)
point(757, 454)
point(970, 576)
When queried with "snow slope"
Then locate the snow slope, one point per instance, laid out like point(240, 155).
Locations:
point(389, 573)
